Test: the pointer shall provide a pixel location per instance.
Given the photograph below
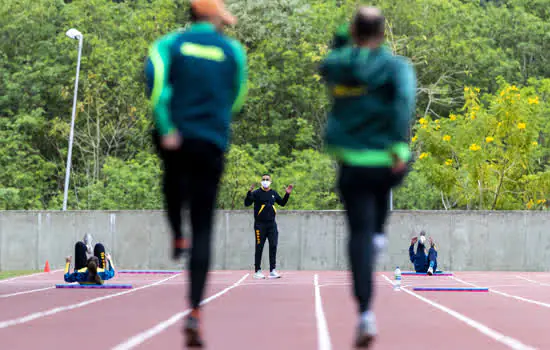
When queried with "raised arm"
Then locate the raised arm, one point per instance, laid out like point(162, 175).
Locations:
point(411, 249)
point(69, 277)
point(281, 201)
point(250, 197)
point(110, 270)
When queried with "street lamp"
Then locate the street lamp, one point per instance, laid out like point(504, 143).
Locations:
point(73, 34)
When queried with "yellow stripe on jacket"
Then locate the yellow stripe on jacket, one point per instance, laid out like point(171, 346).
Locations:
point(84, 269)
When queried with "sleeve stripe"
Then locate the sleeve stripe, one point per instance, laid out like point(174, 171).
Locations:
point(158, 66)
point(242, 76)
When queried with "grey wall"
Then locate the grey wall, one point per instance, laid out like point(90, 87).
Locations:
point(308, 240)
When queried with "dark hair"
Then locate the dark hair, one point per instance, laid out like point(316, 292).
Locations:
point(93, 263)
point(369, 26)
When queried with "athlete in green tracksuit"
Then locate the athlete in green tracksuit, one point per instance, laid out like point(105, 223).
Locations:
point(197, 81)
point(373, 99)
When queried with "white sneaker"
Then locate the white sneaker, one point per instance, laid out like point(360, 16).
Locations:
point(274, 274)
point(430, 271)
point(366, 331)
point(259, 275)
point(88, 242)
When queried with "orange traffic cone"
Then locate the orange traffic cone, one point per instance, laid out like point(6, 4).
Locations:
point(47, 267)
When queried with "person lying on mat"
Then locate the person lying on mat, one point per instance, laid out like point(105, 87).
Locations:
point(94, 270)
point(424, 260)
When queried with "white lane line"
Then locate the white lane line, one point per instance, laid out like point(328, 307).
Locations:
point(25, 292)
point(151, 332)
point(323, 335)
point(531, 301)
point(347, 284)
point(26, 276)
point(37, 315)
point(533, 281)
point(501, 338)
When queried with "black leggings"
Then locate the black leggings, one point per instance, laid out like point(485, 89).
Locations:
point(81, 259)
point(364, 194)
point(191, 178)
point(263, 231)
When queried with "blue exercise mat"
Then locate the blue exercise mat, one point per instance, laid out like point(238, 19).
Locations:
point(450, 289)
point(94, 286)
point(152, 272)
point(438, 273)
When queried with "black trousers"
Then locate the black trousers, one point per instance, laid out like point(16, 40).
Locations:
point(365, 193)
point(80, 257)
point(263, 231)
point(191, 179)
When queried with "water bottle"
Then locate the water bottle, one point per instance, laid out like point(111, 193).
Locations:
point(397, 284)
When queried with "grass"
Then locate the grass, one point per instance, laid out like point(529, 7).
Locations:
point(15, 273)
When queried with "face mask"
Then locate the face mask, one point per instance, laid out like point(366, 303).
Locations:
point(422, 239)
point(265, 184)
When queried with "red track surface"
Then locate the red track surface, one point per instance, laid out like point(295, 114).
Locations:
point(279, 314)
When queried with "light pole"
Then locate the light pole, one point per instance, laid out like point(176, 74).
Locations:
point(73, 34)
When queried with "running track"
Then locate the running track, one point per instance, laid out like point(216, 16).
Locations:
point(303, 310)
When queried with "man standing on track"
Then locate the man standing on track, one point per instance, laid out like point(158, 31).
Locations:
point(265, 227)
point(197, 79)
point(373, 99)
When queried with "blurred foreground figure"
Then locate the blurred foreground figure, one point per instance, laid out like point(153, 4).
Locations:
point(197, 81)
point(373, 99)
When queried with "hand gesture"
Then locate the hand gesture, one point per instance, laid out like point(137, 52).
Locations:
point(289, 189)
point(68, 259)
point(252, 188)
point(399, 166)
point(171, 141)
point(414, 240)
point(108, 256)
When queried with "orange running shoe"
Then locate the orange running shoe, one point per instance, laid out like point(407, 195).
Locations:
point(192, 330)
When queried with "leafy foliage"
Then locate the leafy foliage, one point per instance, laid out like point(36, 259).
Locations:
point(486, 157)
point(494, 46)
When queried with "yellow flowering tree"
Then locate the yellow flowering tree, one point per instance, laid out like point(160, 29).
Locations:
point(493, 154)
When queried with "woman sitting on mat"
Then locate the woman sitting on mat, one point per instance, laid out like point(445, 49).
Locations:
point(425, 261)
point(93, 270)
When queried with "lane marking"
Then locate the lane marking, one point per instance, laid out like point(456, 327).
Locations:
point(531, 301)
point(508, 341)
point(31, 275)
point(347, 284)
point(40, 314)
point(158, 328)
point(25, 292)
point(533, 281)
point(323, 335)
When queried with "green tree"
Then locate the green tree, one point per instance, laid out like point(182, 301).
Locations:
point(485, 157)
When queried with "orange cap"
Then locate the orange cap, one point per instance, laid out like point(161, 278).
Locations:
point(213, 8)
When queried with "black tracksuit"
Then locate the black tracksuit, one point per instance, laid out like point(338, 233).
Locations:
point(264, 222)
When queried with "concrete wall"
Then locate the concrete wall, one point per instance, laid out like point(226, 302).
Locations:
point(308, 240)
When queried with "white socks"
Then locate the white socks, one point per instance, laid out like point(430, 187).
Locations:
point(368, 323)
point(380, 242)
point(367, 316)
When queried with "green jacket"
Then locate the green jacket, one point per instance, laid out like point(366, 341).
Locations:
point(373, 100)
point(197, 80)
